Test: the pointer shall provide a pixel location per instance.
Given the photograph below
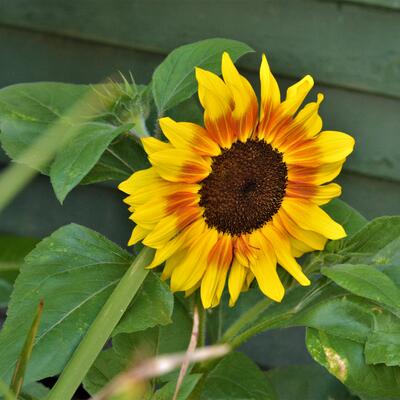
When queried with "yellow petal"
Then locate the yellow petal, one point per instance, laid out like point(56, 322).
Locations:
point(270, 95)
point(164, 231)
point(180, 165)
point(281, 245)
point(311, 217)
point(138, 234)
point(328, 147)
point(237, 277)
point(186, 135)
point(312, 239)
point(218, 103)
point(140, 179)
point(246, 109)
point(152, 145)
point(296, 94)
point(189, 272)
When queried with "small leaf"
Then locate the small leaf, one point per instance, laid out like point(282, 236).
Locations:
point(345, 359)
point(237, 377)
point(81, 154)
point(365, 281)
point(174, 80)
point(311, 380)
point(152, 306)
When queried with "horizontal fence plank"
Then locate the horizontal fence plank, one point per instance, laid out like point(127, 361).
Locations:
point(372, 119)
point(351, 46)
point(389, 4)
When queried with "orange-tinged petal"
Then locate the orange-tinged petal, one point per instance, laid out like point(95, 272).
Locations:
point(189, 136)
point(270, 96)
point(218, 103)
point(317, 194)
point(180, 165)
point(245, 112)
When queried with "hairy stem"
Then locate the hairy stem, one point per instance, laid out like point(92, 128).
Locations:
point(101, 329)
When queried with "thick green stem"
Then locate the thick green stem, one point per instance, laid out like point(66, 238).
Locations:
point(101, 329)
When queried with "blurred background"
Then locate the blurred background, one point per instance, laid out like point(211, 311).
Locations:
point(350, 47)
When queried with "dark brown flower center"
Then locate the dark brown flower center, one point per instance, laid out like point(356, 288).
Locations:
point(245, 187)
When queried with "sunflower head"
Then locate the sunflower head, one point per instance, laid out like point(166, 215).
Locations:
point(235, 198)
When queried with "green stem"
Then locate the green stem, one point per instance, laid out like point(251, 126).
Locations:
point(202, 324)
point(249, 316)
point(101, 329)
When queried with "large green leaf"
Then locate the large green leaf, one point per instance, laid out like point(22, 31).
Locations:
point(174, 80)
point(27, 110)
point(236, 377)
point(81, 154)
point(345, 359)
point(13, 249)
point(309, 381)
point(73, 271)
point(365, 281)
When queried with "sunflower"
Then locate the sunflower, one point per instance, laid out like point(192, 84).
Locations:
point(232, 199)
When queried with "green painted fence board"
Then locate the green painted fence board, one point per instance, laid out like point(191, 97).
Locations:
point(372, 119)
point(351, 46)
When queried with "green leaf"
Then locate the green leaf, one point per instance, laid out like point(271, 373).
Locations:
point(366, 244)
point(344, 359)
point(174, 79)
point(121, 159)
point(27, 110)
point(80, 155)
point(107, 365)
point(168, 390)
point(237, 377)
point(309, 381)
point(383, 344)
point(351, 220)
point(152, 306)
point(73, 271)
point(13, 249)
point(365, 281)
point(5, 292)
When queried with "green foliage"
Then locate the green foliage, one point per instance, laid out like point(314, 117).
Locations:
point(174, 80)
point(81, 155)
point(236, 377)
point(309, 381)
point(5, 292)
point(73, 271)
point(28, 111)
point(344, 359)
